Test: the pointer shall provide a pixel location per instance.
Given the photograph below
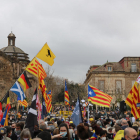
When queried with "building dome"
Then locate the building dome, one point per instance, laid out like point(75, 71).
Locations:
point(11, 35)
point(14, 51)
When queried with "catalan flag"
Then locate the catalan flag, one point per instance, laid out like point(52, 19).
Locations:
point(23, 103)
point(49, 107)
point(98, 97)
point(34, 66)
point(24, 81)
point(67, 100)
point(133, 99)
point(43, 90)
point(46, 55)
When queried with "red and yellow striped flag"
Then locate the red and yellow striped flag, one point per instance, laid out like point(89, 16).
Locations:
point(34, 66)
point(23, 103)
point(133, 98)
point(98, 97)
point(67, 100)
point(49, 94)
point(49, 107)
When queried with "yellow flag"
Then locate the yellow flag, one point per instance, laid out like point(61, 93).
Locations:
point(119, 135)
point(46, 55)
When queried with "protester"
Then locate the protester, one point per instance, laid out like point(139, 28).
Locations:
point(116, 129)
point(54, 123)
point(124, 124)
point(101, 126)
point(44, 135)
point(82, 132)
point(25, 134)
point(17, 131)
point(51, 127)
point(8, 131)
point(64, 129)
point(103, 135)
point(130, 134)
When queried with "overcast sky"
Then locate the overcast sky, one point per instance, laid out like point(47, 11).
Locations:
point(80, 33)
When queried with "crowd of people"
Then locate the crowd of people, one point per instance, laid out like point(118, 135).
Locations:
point(100, 126)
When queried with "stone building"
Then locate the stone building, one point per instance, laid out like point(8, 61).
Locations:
point(114, 78)
point(13, 61)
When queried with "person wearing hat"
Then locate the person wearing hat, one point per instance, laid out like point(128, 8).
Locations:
point(91, 120)
point(71, 122)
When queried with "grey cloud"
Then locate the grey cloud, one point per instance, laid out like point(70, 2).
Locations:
point(80, 33)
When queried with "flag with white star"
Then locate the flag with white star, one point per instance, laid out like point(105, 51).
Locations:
point(98, 97)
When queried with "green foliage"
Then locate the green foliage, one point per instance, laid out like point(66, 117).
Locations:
point(73, 90)
point(61, 95)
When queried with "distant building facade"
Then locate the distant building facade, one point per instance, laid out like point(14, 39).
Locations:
point(114, 78)
point(13, 61)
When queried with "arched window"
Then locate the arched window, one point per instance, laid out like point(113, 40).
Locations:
point(133, 67)
point(11, 42)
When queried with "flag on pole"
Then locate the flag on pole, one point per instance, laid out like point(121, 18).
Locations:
point(98, 97)
point(8, 102)
point(43, 88)
point(23, 79)
point(49, 94)
point(133, 99)
point(46, 55)
point(23, 103)
point(31, 120)
point(33, 66)
point(77, 115)
point(16, 88)
point(4, 99)
point(67, 100)
point(4, 117)
point(8, 106)
point(4, 121)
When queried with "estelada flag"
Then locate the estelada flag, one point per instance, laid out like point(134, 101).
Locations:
point(98, 97)
point(133, 99)
point(23, 79)
point(33, 67)
point(67, 100)
point(46, 55)
point(49, 107)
